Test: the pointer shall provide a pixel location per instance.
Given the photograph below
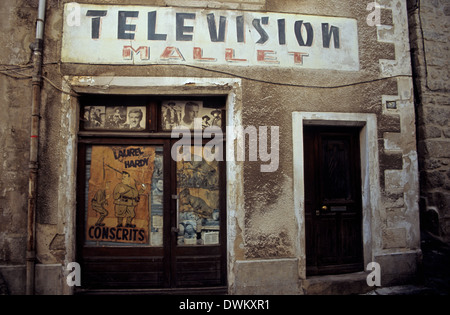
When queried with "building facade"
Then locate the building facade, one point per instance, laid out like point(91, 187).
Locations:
point(240, 147)
point(429, 45)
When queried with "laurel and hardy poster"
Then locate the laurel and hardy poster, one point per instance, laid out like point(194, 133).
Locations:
point(124, 195)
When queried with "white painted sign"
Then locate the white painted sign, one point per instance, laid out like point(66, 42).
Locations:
point(106, 34)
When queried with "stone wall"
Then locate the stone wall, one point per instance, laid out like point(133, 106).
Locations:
point(16, 22)
point(429, 33)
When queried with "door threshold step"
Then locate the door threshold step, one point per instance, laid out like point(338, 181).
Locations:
point(342, 284)
point(220, 290)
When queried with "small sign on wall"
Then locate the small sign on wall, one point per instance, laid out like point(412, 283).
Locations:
point(106, 34)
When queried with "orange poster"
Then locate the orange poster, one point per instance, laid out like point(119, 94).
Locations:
point(119, 196)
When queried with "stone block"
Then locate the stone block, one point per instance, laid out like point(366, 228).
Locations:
point(432, 179)
point(48, 279)
point(399, 268)
point(345, 284)
point(436, 148)
point(14, 279)
point(428, 132)
point(394, 238)
point(437, 115)
point(393, 181)
point(393, 141)
point(269, 276)
point(441, 200)
point(395, 216)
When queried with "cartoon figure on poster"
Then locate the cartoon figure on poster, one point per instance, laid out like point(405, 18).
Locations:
point(98, 205)
point(126, 197)
point(198, 192)
point(119, 191)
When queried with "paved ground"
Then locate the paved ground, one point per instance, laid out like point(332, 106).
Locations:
point(435, 274)
point(436, 264)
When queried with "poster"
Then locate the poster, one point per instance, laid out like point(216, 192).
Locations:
point(124, 195)
point(182, 114)
point(198, 191)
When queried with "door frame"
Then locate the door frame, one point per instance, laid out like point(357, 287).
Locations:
point(189, 86)
point(178, 252)
point(170, 251)
point(370, 188)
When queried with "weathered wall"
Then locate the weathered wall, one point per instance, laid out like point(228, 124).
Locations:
point(429, 29)
point(16, 21)
point(267, 229)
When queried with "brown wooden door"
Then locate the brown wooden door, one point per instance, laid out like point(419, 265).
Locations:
point(333, 208)
point(198, 226)
point(167, 231)
point(122, 223)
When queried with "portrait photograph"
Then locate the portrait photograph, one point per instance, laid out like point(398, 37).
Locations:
point(135, 118)
point(124, 118)
point(182, 114)
point(94, 117)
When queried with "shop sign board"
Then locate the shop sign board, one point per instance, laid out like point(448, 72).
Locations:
point(143, 35)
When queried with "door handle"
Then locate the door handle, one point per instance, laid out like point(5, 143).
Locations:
point(175, 229)
point(324, 208)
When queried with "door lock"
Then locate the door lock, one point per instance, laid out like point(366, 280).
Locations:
point(324, 208)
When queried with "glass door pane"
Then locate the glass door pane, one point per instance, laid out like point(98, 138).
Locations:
point(124, 195)
point(198, 196)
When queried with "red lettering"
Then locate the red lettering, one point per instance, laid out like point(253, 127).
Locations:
point(172, 53)
point(298, 57)
point(198, 55)
point(265, 56)
point(128, 51)
point(229, 55)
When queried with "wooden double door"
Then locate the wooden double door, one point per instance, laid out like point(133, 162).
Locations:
point(333, 210)
point(148, 219)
